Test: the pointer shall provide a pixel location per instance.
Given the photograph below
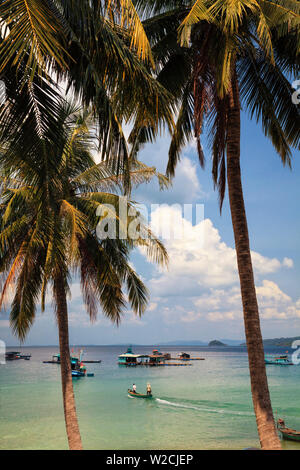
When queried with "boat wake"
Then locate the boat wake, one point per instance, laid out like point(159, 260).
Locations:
point(205, 410)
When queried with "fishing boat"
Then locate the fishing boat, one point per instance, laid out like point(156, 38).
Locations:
point(77, 366)
point(282, 360)
point(287, 433)
point(138, 395)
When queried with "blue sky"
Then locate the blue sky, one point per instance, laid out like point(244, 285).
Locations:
point(198, 297)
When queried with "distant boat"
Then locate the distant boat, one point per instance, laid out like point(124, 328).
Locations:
point(185, 356)
point(139, 395)
point(282, 360)
point(16, 355)
point(287, 433)
point(12, 356)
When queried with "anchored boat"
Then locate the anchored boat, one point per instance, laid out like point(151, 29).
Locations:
point(16, 355)
point(77, 366)
point(287, 433)
point(282, 360)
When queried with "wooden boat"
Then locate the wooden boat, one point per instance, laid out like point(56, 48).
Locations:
point(278, 360)
point(287, 433)
point(138, 395)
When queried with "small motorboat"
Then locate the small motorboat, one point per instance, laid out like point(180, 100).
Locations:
point(138, 395)
point(287, 433)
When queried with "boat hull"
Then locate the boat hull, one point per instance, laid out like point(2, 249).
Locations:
point(77, 373)
point(275, 363)
point(289, 436)
point(138, 395)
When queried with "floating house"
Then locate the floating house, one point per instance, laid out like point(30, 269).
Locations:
point(130, 359)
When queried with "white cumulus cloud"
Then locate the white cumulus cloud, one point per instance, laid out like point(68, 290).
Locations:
point(202, 280)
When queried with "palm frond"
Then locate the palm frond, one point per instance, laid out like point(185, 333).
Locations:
point(199, 12)
point(138, 295)
point(267, 92)
point(35, 36)
point(129, 19)
point(183, 130)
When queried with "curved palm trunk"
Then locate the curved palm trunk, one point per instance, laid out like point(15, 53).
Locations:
point(71, 421)
point(259, 385)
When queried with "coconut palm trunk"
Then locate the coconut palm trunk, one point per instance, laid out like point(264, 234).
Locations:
point(71, 421)
point(259, 385)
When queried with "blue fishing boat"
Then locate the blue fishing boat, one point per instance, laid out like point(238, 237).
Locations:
point(281, 360)
point(77, 366)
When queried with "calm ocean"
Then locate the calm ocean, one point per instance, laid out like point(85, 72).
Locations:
point(205, 406)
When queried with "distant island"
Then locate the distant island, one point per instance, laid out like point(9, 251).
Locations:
point(278, 342)
point(216, 343)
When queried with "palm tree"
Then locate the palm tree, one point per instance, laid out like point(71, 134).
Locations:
point(231, 53)
point(49, 200)
point(97, 49)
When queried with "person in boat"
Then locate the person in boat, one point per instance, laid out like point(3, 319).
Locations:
point(148, 389)
point(134, 388)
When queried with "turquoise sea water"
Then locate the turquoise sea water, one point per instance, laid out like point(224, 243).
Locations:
point(205, 406)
